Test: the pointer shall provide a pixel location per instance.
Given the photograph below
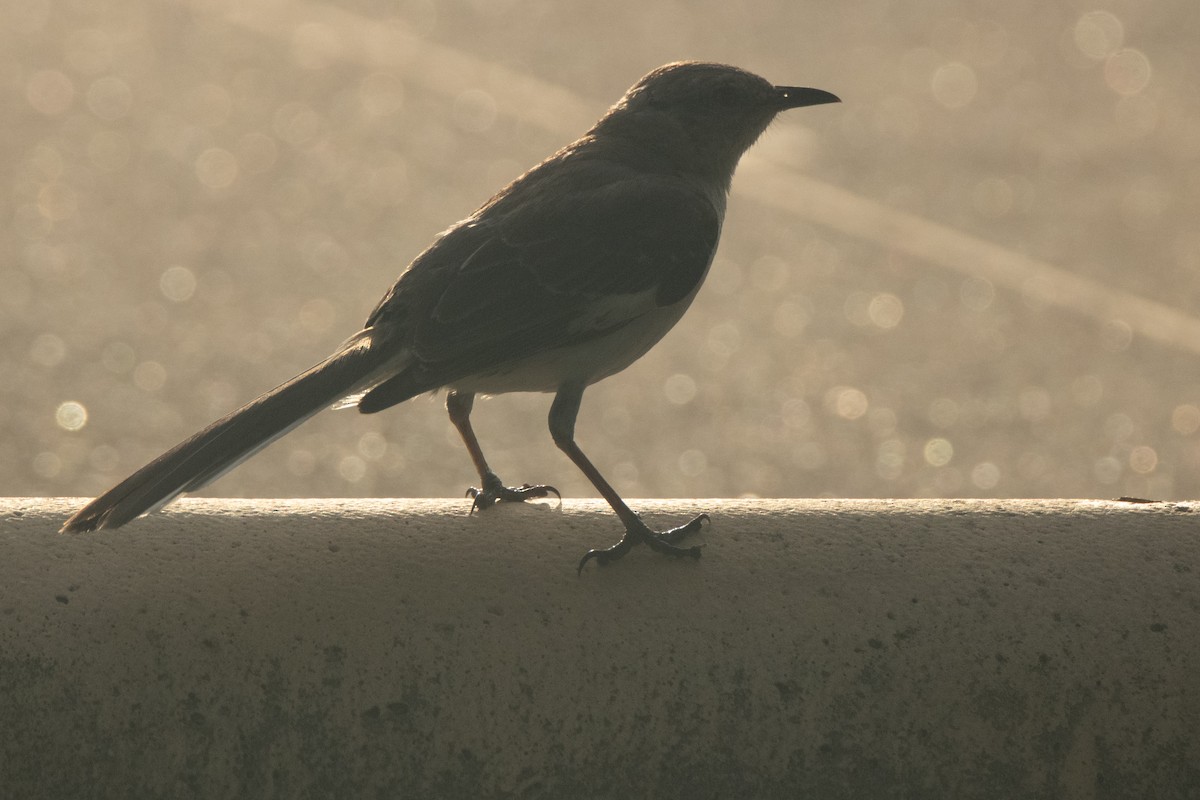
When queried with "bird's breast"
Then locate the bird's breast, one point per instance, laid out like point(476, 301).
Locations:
point(609, 336)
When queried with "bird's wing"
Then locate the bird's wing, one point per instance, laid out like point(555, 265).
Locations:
point(569, 267)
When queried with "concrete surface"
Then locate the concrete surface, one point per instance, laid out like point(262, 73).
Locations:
point(826, 649)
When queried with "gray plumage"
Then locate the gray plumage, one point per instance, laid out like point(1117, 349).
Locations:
point(566, 276)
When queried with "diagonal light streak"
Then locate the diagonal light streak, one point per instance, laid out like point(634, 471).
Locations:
point(448, 71)
point(824, 204)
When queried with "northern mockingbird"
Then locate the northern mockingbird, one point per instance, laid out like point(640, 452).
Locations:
point(566, 276)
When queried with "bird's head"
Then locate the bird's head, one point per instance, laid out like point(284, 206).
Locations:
point(710, 113)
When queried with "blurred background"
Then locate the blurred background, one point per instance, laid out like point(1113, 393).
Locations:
point(975, 277)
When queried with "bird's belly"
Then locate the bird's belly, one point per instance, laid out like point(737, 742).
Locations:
point(586, 361)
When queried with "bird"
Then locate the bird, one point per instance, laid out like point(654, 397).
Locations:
point(565, 277)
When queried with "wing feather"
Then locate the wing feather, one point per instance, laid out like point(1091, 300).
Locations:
point(503, 287)
point(535, 273)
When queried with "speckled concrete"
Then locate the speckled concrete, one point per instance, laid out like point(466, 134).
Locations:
point(827, 649)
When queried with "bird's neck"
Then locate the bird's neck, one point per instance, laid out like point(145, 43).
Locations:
point(659, 145)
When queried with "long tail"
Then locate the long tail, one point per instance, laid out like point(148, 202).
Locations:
point(231, 440)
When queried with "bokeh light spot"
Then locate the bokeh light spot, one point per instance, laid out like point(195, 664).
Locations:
point(1127, 71)
point(352, 469)
point(723, 340)
point(954, 85)
point(71, 415)
point(1107, 470)
point(680, 389)
point(890, 459)
point(177, 284)
point(216, 168)
point(977, 293)
point(1098, 34)
point(372, 446)
point(57, 202)
point(938, 452)
point(1185, 419)
point(885, 310)
point(846, 401)
point(149, 376)
point(1143, 459)
point(47, 464)
point(985, 476)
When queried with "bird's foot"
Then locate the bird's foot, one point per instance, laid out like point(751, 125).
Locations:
point(494, 491)
point(659, 541)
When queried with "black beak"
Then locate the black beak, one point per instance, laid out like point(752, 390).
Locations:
point(798, 96)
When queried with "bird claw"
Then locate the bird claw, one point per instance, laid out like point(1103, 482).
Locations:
point(494, 491)
point(659, 541)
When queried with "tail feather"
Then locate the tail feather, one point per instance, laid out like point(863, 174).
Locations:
point(231, 440)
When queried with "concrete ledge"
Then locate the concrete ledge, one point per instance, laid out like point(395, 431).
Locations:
point(826, 649)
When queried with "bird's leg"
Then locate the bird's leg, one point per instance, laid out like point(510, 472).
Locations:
point(563, 412)
point(492, 488)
